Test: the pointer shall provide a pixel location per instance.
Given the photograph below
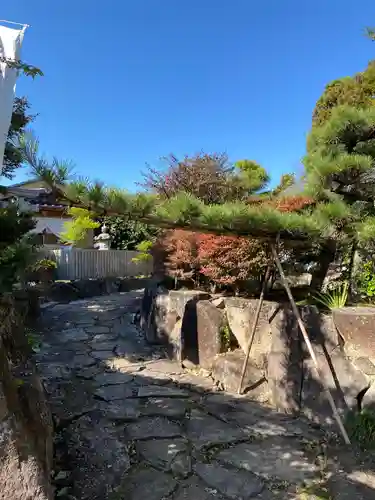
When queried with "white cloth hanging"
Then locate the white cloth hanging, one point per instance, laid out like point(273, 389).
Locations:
point(10, 48)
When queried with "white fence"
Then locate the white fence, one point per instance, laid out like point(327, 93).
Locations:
point(77, 263)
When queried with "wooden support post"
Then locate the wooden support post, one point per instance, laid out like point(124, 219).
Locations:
point(309, 345)
point(254, 325)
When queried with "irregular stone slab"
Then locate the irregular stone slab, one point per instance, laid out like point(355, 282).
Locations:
point(89, 373)
point(279, 458)
point(124, 365)
point(85, 321)
point(112, 378)
point(59, 355)
point(121, 411)
point(148, 428)
point(165, 407)
point(73, 335)
point(269, 425)
point(76, 347)
point(97, 329)
point(167, 455)
point(101, 355)
point(196, 383)
point(146, 484)
point(220, 404)
point(81, 361)
point(231, 483)
point(129, 349)
point(356, 485)
point(98, 457)
point(365, 365)
point(153, 378)
point(103, 337)
point(114, 392)
point(70, 399)
point(54, 370)
point(204, 431)
point(165, 366)
point(103, 346)
point(156, 391)
point(195, 489)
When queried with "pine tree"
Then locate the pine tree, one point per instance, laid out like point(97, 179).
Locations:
point(16, 244)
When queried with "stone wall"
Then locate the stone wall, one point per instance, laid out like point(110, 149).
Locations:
point(195, 326)
point(26, 432)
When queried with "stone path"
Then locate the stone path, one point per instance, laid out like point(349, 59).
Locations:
point(132, 425)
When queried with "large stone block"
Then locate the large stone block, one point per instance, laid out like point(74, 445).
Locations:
point(154, 308)
point(356, 326)
point(201, 329)
point(161, 309)
point(284, 370)
point(293, 380)
point(227, 369)
point(240, 315)
point(179, 298)
point(343, 379)
point(210, 324)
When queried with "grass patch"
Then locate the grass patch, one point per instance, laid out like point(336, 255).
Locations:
point(361, 427)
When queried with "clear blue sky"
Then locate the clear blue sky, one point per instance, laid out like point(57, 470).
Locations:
point(128, 81)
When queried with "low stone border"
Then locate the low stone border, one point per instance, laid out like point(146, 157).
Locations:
point(68, 291)
point(196, 327)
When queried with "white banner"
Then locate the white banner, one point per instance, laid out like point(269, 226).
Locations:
point(10, 48)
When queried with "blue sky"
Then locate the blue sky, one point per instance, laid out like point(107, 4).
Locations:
point(128, 81)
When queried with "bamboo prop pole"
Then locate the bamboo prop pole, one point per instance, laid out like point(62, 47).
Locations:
point(254, 325)
point(309, 345)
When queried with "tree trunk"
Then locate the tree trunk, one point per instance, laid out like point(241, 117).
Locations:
point(326, 257)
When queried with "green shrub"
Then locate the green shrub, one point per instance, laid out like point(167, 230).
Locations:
point(144, 248)
point(228, 340)
point(366, 280)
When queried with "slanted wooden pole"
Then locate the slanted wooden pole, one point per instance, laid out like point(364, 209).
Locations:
point(254, 325)
point(309, 345)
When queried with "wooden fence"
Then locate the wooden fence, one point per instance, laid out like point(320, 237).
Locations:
point(77, 263)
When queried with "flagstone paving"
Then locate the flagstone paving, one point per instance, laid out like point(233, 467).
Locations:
point(132, 425)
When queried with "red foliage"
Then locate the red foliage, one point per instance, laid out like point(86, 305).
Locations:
point(292, 203)
point(230, 260)
point(181, 254)
point(220, 260)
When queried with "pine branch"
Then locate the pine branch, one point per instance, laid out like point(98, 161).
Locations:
point(26, 69)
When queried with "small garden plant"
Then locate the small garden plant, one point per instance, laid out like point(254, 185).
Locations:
point(44, 264)
point(333, 299)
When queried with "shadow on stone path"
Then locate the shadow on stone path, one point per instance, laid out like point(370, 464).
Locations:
point(131, 424)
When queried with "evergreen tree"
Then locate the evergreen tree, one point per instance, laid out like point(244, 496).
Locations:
point(16, 245)
point(19, 121)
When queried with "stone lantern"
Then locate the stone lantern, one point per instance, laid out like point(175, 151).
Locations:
point(103, 240)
